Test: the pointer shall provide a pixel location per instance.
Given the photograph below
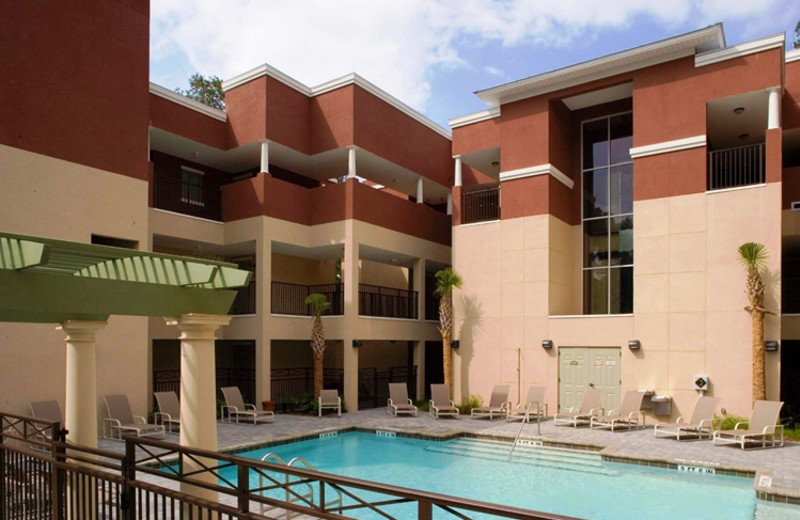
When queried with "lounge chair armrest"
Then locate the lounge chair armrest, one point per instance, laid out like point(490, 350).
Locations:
point(113, 422)
point(505, 405)
point(772, 429)
point(138, 419)
point(738, 424)
point(574, 409)
point(452, 403)
point(613, 411)
point(598, 411)
point(680, 420)
point(162, 417)
point(411, 402)
point(249, 406)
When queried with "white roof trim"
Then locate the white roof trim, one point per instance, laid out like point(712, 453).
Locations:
point(328, 86)
point(541, 169)
point(184, 101)
point(737, 51)
point(477, 117)
point(607, 66)
point(668, 146)
point(793, 55)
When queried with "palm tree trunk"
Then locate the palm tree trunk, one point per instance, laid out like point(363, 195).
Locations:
point(317, 374)
point(759, 374)
point(447, 361)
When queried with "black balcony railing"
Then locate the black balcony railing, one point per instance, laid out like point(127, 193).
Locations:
point(386, 302)
point(245, 302)
point(290, 298)
point(174, 194)
point(480, 206)
point(734, 167)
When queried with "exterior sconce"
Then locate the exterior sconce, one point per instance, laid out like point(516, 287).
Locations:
point(356, 343)
point(547, 344)
point(634, 344)
point(455, 343)
point(771, 346)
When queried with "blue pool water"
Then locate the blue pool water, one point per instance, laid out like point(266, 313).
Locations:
point(566, 483)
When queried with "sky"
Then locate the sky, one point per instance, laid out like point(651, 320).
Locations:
point(430, 54)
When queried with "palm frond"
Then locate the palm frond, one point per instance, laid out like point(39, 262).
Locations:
point(753, 255)
point(447, 280)
point(318, 302)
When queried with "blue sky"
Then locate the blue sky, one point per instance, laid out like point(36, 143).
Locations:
point(430, 54)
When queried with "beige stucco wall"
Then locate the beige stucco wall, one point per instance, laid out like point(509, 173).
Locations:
point(688, 297)
point(52, 198)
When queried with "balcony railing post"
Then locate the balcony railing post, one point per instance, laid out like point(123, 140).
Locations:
point(128, 505)
point(424, 510)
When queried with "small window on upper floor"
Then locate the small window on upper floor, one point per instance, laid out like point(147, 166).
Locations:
point(192, 186)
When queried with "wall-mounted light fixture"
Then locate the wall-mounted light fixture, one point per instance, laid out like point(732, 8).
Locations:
point(356, 343)
point(455, 343)
point(634, 344)
point(738, 110)
point(547, 343)
point(771, 346)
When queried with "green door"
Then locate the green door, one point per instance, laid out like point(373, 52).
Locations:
point(588, 367)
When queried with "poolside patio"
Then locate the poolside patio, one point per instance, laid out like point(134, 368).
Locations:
point(636, 445)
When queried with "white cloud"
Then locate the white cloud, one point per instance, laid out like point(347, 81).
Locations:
point(396, 44)
point(493, 71)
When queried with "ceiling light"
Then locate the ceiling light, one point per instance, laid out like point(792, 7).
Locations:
point(495, 163)
point(738, 110)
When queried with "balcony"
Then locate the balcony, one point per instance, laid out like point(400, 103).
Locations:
point(290, 298)
point(245, 301)
point(734, 167)
point(480, 206)
point(173, 194)
point(387, 302)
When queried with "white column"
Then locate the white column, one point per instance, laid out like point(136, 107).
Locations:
point(264, 156)
point(458, 170)
point(351, 161)
point(350, 355)
point(420, 198)
point(198, 388)
point(449, 203)
point(774, 112)
point(81, 397)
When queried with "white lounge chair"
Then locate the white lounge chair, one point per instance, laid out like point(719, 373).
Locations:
point(628, 417)
point(581, 415)
point(498, 404)
point(440, 403)
point(398, 401)
point(330, 400)
point(169, 410)
point(700, 424)
point(534, 400)
point(235, 407)
point(762, 427)
point(121, 419)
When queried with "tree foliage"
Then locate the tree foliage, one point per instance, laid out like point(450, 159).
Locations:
point(796, 43)
point(754, 259)
point(206, 90)
point(319, 303)
point(446, 281)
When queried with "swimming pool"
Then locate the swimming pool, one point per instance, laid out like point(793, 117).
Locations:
point(564, 482)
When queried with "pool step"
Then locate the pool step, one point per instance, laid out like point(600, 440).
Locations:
point(557, 458)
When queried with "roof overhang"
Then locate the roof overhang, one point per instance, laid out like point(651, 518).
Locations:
point(51, 281)
point(702, 40)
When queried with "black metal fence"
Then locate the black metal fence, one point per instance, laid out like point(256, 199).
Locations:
point(55, 481)
point(480, 206)
point(289, 383)
point(373, 384)
point(245, 301)
point(740, 166)
point(244, 378)
point(174, 194)
point(386, 302)
point(290, 298)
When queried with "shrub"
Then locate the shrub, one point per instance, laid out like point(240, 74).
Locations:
point(474, 401)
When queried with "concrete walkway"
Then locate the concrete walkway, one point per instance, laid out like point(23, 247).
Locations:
point(782, 464)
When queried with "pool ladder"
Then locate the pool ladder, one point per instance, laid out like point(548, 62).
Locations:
point(294, 496)
point(525, 420)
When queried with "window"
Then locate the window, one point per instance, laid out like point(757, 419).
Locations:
point(607, 215)
point(192, 186)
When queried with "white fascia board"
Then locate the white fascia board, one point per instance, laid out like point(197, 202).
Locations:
point(607, 66)
point(737, 51)
point(186, 102)
point(477, 117)
point(541, 169)
point(328, 86)
point(793, 55)
point(668, 146)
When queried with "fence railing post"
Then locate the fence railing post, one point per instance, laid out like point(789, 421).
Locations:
point(243, 488)
point(128, 506)
point(424, 510)
point(58, 475)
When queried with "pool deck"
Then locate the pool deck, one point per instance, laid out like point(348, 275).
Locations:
point(782, 464)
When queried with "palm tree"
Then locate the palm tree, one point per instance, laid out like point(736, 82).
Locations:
point(318, 304)
point(446, 281)
point(753, 256)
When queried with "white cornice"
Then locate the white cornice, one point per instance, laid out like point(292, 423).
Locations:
point(328, 86)
point(668, 146)
point(541, 169)
point(184, 101)
point(476, 117)
point(607, 66)
point(737, 51)
point(793, 55)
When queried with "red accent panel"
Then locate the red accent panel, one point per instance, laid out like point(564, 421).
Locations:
point(287, 116)
point(456, 217)
point(524, 134)
point(76, 81)
point(790, 117)
point(182, 121)
point(331, 116)
point(524, 197)
point(774, 154)
point(246, 108)
point(670, 174)
point(477, 136)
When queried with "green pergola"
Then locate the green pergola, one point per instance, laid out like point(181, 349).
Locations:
point(51, 281)
point(78, 286)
